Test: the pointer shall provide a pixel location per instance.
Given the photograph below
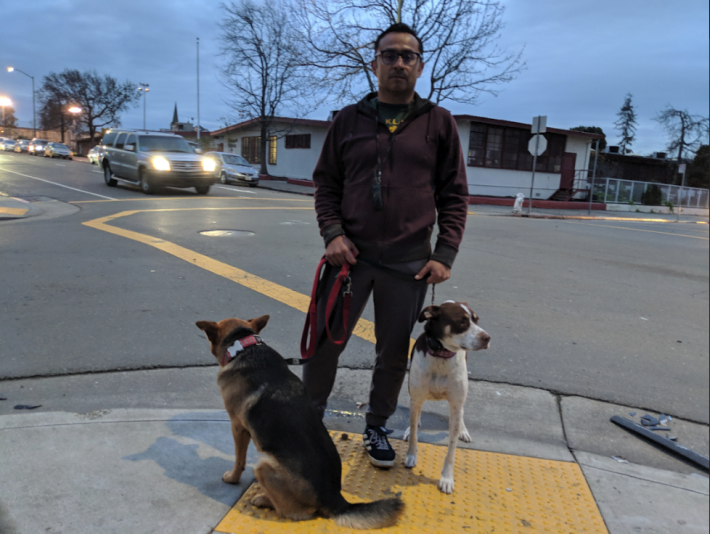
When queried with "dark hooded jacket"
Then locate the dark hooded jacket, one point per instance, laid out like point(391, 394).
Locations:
point(423, 174)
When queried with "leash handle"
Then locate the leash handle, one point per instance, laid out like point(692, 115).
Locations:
point(310, 328)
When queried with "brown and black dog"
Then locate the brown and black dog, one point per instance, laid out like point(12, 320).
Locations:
point(300, 468)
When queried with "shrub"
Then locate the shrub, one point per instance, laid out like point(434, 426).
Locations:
point(652, 196)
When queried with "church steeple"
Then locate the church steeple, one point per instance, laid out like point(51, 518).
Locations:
point(175, 115)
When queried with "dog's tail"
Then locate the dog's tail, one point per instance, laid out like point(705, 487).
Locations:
point(368, 515)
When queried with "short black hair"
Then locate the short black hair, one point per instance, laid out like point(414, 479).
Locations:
point(399, 27)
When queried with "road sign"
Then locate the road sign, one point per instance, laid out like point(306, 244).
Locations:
point(537, 145)
point(681, 168)
point(539, 124)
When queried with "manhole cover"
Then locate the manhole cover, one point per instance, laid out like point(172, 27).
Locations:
point(227, 233)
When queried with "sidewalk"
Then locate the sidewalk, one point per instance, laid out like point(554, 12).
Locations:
point(491, 210)
point(127, 456)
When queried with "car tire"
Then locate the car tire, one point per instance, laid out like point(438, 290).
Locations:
point(202, 189)
point(111, 182)
point(223, 178)
point(145, 182)
point(253, 185)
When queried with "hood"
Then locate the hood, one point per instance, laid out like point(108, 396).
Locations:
point(175, 156)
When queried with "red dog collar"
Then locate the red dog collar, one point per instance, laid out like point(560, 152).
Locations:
point(240, 345)
point(436, 349)
point(441, 353)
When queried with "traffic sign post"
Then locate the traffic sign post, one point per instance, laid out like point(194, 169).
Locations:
point(681, 169)
point(536, 146)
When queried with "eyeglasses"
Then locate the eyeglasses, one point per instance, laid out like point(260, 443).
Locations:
point(389, 57)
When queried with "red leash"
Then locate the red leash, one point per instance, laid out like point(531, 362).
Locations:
point(310, 329)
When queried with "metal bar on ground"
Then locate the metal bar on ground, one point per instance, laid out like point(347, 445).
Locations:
point(665, 442)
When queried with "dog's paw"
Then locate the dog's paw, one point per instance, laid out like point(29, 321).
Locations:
point(446, 485)
point(262, 501)
point(465, 436)
point(406, 435)
point(410, 461)
point(230, 478)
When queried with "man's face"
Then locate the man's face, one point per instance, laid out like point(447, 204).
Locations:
point(397, 81)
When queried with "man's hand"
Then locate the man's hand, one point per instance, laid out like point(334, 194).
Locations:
point(341, 250)
point(438, 272)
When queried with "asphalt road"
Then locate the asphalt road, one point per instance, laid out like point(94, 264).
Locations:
point(608, 310)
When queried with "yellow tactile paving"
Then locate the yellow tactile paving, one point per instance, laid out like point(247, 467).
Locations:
point(495, 493)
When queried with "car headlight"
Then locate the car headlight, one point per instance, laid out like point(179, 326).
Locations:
point(208, 164)
point(161, 164)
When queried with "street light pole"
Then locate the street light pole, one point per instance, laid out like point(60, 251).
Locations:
point(145, 88)
point(198, 88)
point(34, 116)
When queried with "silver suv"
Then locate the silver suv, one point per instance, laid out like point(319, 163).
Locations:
point(154, 159)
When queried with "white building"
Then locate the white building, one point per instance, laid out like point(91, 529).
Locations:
point(294, 145)
point(498, 163)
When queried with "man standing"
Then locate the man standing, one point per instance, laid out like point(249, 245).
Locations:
point(389, 165)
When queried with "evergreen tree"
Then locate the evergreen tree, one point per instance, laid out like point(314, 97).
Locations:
point(626, 125)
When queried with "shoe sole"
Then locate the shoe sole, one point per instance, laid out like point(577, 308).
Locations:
point(381, 463)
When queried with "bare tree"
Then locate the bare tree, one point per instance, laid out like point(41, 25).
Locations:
point(101, 98)
point(459, 38)
point(8, 117)
point(686, 132)
point(626, 124)
point(264, 69)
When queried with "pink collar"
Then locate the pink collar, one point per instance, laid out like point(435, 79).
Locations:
point(441, 353)
point(436, 349)
point(240, 345)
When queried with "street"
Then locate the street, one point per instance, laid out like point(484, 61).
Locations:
point(615, 311)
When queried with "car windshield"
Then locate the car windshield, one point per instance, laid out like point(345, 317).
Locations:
point(231, 159)
point(59, 145)
point(155, 143)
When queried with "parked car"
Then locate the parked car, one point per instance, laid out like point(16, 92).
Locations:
point(93, 155)
point(57, 150)
point(234, 168)
point(22, 145)
point(8, 145)
point(36, 147)
point(154, 159)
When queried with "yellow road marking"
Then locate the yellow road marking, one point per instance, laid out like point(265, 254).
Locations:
point(638, 230)
point(14, 211)
point(363, 329)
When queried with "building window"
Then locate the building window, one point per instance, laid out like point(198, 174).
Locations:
point(298, 141)
point(251, 148)
point(503, 147)
point(272, 150)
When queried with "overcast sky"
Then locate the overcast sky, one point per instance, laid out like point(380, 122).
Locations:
point(582, 58)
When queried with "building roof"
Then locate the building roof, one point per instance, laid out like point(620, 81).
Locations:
point(523, 126)
point(284, 120)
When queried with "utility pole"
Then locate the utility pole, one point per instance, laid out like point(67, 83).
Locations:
point(198, 88)
point(145, 88)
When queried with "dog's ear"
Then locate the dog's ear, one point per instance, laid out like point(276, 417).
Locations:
point(210, 328)
point(428, 313)
point(259, 323)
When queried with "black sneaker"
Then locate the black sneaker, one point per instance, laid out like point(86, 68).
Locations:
point(378, 446)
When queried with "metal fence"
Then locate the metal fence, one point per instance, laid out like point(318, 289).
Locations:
point(614, 191)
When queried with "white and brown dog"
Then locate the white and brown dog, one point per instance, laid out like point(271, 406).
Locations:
point(438, 372)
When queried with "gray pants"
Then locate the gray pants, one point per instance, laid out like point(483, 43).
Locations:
point(398, 302)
